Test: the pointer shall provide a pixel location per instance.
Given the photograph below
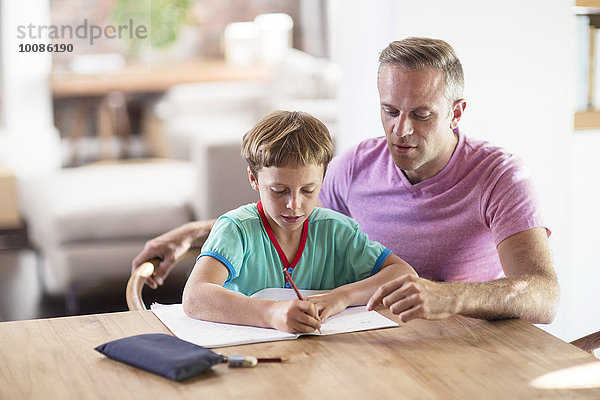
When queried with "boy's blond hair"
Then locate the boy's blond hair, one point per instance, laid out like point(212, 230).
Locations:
point(287, 137)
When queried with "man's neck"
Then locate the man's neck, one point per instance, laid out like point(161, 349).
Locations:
point(433, 167)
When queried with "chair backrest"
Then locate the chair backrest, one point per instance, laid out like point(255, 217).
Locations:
point(588, 343)
point(135, 284)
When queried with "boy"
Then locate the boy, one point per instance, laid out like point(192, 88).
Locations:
point(287, 154)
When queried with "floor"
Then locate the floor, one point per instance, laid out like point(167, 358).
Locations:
point(21, 296)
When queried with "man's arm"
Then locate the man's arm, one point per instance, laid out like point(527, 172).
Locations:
point(529, 290)
point(170, 246)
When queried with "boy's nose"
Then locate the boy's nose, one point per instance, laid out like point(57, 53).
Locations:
point(293, 202)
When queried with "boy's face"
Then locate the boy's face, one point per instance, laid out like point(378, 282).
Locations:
point(289, 194)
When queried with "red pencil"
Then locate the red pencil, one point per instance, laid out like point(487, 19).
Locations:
point(291, 281)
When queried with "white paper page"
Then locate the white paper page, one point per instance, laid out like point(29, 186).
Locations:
point(352, 319)
point(213, 334)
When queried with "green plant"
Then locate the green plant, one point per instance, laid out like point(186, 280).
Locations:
point(162, 18)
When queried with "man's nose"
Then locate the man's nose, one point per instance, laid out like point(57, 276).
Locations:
point(402, 126)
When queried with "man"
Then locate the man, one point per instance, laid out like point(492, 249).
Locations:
point(462, 213)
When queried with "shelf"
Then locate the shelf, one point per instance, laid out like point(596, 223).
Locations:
point(587, 120)
point(143, 78)
point(587, 3)
point(590, 8)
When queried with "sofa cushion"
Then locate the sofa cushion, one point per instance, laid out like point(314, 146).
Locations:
point(107, 202)
point(75, 267)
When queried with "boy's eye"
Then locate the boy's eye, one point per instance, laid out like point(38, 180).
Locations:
point(309, 191)
point(278, 191)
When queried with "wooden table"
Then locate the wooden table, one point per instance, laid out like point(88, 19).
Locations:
point(457, 358)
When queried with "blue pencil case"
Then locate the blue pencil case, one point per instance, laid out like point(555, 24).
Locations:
point(162, 354)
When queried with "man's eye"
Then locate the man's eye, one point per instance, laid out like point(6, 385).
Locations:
point(390, 112)
point(278, 191)
point(421, 117)
point(309, 191)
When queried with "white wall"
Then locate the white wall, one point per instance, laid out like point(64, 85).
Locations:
point(519, 74)
point(584, 189)
point(29, 143)
point(361, 29)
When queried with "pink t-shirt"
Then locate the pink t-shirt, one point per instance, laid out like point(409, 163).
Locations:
point(446, 227)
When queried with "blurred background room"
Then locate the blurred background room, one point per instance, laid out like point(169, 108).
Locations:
point(131, 125)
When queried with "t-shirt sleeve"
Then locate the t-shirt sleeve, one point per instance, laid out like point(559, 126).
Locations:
point(336, 184)
point(363, 256)
point(226, 244)
point(510, 200)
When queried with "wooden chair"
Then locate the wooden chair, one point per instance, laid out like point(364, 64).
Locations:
point(136, 281)
point(588, 343)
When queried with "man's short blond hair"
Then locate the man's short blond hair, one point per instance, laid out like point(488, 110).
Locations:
point(287, 138)
point(418, 53)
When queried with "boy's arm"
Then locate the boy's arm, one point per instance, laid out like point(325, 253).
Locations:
point(358, 293)
point(204, 297)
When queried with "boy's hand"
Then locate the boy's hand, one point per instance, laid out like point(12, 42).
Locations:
point(294, 316)
point(328, 304)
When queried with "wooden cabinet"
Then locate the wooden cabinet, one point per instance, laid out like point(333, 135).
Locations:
point(588, 116)
point(9, 212)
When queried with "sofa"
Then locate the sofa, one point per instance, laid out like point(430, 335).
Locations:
point(88, 223)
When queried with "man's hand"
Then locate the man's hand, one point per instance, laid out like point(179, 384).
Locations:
point(169, 247)
point(294, 316)
point(411, 297)
point(164, 248)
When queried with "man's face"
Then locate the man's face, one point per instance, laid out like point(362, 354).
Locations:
point(418, 120)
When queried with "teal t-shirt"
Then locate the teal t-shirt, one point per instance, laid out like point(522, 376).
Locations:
point(336, 252)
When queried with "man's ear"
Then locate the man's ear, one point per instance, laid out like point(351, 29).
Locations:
point(253, 180)
point(458, 109)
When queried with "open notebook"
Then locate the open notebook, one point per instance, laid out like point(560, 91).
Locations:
point(212, 334)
